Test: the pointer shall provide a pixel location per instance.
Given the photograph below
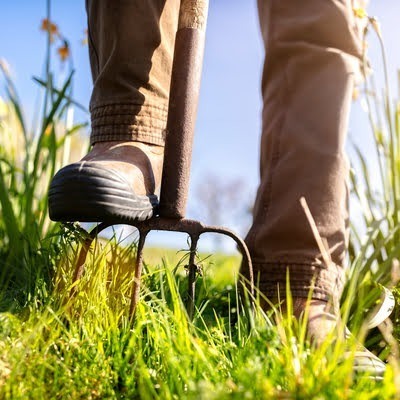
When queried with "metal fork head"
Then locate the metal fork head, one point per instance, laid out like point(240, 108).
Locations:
point(193, 228)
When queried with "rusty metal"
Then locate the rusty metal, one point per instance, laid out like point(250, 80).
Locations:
point(80, 264)
point(193, 228)
point(138, 272)
point(193, 14)
point(182, 109)
point(192, 275)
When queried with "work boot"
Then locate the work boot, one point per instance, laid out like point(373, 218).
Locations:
point(115, 181)
point(323, 323)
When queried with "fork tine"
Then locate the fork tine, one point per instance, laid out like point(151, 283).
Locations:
point(138, 273)
point(80, 264)
point(192, 271)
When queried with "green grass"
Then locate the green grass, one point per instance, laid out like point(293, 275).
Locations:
point(56, 347)
point(88, 348)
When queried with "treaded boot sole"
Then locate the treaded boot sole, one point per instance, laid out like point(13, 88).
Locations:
point(366, 363)
point(87, 192)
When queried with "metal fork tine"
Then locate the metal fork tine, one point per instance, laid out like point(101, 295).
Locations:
point(194, 229)
point(192, 271)
point(138, 273)
point(80, 264)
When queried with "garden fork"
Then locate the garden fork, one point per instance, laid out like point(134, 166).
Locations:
point(170, 216)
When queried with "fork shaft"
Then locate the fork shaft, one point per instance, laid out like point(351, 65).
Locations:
point(182, 110)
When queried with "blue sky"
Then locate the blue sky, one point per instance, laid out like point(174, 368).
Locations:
point(228, 129)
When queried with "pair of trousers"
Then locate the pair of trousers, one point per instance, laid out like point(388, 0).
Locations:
point(312, 51)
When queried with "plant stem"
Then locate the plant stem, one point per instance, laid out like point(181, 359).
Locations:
point(393, 139)
point(373, 128)
point(48, 57)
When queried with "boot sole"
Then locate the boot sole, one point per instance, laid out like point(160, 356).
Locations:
point(86, 192)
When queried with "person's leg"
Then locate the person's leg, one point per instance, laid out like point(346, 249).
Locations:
point(310, 66)
point(131, 46)
point(312, 58)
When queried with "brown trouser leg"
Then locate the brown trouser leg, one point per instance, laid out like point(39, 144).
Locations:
point(131, 46)
point(308, 78)
point(310, 67)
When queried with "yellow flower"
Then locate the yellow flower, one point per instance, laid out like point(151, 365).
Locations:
point(360, 12)
point(63, 51)
point(50, 27)
point(84, 41)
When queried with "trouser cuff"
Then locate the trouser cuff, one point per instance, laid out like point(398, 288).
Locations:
point(129, 122)
point(319, 282)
